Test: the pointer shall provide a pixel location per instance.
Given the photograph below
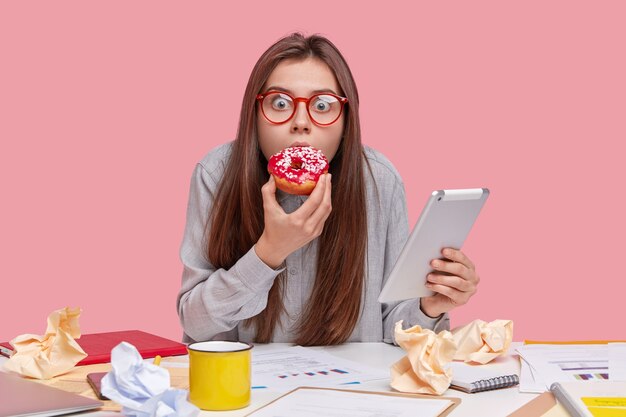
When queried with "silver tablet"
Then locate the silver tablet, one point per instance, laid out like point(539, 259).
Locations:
point(24, 397)
point(445, 222)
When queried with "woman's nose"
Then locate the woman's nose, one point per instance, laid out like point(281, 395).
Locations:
point(301, 121)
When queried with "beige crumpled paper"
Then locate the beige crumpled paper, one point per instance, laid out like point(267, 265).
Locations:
point(482, 342)
point(52, 354)
point(422, 370)
point(425, 369)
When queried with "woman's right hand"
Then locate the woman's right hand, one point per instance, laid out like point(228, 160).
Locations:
point(285, 233)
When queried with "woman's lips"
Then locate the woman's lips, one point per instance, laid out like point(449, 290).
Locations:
point(299, 144)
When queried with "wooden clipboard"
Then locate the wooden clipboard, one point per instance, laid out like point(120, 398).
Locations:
point(536, 407)
point(455, 401)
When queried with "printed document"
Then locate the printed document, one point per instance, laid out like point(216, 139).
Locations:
point(561, 363)
point(335, 403)
point(287, 368)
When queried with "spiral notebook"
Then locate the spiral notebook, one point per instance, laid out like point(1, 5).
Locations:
point(502, 372)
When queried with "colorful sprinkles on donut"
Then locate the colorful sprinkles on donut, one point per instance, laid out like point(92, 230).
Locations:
point(296, 170)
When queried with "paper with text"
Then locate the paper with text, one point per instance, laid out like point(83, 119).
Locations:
point(296, 366)
point(562, 363)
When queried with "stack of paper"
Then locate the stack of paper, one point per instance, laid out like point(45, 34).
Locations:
point(287, 368)
point(543, 365)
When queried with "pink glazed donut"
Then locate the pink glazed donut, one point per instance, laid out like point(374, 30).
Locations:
point(296, 170)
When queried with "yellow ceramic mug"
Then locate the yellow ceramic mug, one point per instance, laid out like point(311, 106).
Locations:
point(219, 375)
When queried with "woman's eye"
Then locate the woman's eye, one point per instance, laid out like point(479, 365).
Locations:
point(323, 104)
point(280, 103)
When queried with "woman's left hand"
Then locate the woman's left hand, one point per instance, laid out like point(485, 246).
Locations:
point(454, 282)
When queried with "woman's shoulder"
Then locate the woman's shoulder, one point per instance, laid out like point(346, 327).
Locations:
point(381, 167)
point(217, 158)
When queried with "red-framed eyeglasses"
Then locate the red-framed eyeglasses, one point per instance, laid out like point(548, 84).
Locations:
point(279, 107)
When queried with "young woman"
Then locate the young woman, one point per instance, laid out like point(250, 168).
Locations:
point(262, 265)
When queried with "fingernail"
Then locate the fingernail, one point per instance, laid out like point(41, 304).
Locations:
point(436, 264)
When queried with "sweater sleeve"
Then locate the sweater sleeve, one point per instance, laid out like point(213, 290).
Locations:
point(213, 301)
point(407, 310)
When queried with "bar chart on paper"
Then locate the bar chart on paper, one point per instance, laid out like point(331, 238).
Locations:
point(587, 377)
point(587, 370)
point(295, 366)
point(316, 373)
point(547, 364)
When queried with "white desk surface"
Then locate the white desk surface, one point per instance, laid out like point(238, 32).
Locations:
point(497, 403)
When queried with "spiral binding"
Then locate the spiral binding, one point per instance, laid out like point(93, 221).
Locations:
point(495, 383)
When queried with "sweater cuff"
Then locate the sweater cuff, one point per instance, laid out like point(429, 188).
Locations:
point(417, 316)
point(254, 273)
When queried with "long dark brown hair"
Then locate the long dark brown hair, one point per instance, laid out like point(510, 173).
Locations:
point(236, 221)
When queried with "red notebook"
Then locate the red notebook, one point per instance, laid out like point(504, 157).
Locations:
point(98, 345)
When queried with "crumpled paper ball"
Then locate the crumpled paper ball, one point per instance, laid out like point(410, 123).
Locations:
point(423, 369)
point(482, 342)
point(143, 389)
point(54, 353)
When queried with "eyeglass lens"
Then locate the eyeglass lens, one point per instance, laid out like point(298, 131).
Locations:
point(322, 108)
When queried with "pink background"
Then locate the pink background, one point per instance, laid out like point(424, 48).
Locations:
point(105, 107)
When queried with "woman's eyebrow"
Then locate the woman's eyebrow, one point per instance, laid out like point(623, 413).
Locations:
point(325, 90)
point(276, 88)
point(286, 90)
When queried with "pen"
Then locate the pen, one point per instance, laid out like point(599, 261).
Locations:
point(157, 360)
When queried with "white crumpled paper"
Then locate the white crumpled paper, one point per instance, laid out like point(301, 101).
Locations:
point(143, 389)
